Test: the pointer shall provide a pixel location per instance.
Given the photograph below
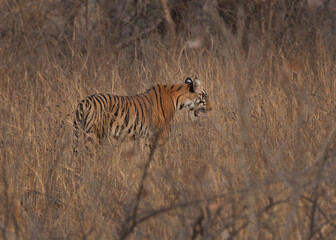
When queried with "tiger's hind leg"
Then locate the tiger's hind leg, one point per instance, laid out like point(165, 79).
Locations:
point(77, 133)
point(162, 139)
point(84, 141)
point(157, 142)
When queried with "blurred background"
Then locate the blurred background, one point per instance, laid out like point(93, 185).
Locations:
point(260, 166)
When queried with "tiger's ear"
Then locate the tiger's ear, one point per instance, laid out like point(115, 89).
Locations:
point(188, 80)
point(197, 86)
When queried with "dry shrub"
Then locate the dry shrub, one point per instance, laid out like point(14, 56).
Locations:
point(260, 166)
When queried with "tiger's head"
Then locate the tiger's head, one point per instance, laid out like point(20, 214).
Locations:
point(196, 99)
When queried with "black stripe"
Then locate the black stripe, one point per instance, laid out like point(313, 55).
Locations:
point(77, 113)
point(127, 117)
point(124, 125)
point(140, 130)
point(171, 88)
point(116, 130)
point(123, 105)
point(191, 88)
point(100, 102)
point(87, 121)
point(132, 101)
point(110, 98)
point(148, 99)
point(142, 114)
point(109, 103)
point(156, 98)
point(163, 112)
point(113, 118)
point(75, 124)
point(140, 104)
point(88, 106)
point(143, 106)
point(136, 120)
point(101, 107)
point(180, 87)
point(88, 130)
point(105, 105)
point(177, 100)
point(102, 98)
point(81, 107)
point(94, 104)
point(137, 113)
point(117, 105)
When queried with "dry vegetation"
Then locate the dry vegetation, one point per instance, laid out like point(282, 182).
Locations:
point(261, 166)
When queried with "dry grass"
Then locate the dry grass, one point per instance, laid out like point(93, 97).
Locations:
point(261, 166)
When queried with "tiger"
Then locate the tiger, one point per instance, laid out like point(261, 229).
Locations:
point(146, 115)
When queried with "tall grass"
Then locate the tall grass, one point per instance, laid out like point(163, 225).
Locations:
point(260, 166)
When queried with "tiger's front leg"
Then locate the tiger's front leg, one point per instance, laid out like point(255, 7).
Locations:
point(163, 136)
point(160, 140)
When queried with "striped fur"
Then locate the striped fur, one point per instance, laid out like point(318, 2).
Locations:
point(147, 115)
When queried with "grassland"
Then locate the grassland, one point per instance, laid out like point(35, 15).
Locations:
point(260, 166)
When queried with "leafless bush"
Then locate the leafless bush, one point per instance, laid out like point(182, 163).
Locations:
point(261, 166)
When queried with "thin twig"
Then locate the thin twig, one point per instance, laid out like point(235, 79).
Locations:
point(329, 221)
point(76, 13)
point(265, 209)
point(322, 157)
point(130, 223)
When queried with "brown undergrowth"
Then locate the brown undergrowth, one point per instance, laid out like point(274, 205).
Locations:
point(260, 166)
